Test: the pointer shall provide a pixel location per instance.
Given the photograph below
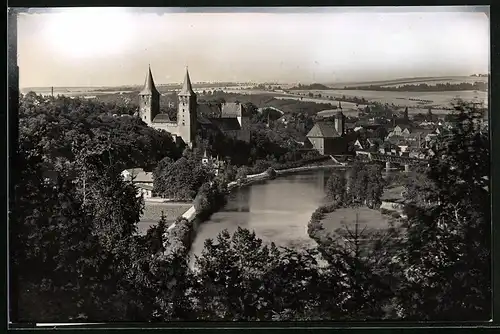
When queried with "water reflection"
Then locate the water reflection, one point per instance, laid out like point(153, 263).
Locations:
point(277, 210)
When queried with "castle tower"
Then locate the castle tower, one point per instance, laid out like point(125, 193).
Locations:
point(186, 114)
point(149, 100)
point(340, 123)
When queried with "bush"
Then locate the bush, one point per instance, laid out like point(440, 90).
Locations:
point(209, 198)
point(260, 166)
point(178, 239)
point(242, 172)
point(271, 172)
point(203, 199)
point(315, 227)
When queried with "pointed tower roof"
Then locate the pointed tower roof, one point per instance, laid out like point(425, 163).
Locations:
point(149, 84)
point(187, 89)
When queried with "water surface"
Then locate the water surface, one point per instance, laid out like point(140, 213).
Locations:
point(277, 210)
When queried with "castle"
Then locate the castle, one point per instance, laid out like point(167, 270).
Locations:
point(230, 118)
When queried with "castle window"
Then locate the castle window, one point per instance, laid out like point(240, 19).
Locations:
point(183, 123)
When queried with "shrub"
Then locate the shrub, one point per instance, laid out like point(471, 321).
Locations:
point(271, 172)
point(242, 172)
point(178, 238)
point(315, 227)
point(209, 198)
point(203, 199)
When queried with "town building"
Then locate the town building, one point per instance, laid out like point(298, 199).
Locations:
point(141, 179)
point(137, 175)
point(146, 190)
point(328, 137)
point(231, 118)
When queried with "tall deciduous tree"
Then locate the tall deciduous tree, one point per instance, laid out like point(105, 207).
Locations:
point(181, 179)
point(336, 187)
point(447, 253)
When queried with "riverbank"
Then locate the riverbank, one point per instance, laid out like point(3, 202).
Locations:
point(184, 229)
point(335, 220)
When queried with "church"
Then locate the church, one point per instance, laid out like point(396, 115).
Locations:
point(231, 118)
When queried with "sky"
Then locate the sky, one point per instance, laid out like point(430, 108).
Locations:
point(77, 47)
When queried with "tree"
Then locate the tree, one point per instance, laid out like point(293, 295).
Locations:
point(181, 179)
point(364, 273)
point(380, 132)
point(336, 187)
point(240, 278)
point(375, 186)
point(447, 251)
point(366, 184)
point(74, 221)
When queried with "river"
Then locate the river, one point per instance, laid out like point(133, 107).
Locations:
point(277, 210)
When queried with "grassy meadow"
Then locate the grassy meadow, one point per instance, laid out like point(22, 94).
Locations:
point(368, 219)
point(410, 81)
point(152, 213)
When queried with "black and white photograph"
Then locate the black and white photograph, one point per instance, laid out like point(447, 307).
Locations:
point(249, 164)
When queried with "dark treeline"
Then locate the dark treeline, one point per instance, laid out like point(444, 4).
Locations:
point(316, 86)
point(423, 87)
point(76, 256)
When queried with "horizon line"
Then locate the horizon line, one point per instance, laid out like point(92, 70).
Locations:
point(264, 82)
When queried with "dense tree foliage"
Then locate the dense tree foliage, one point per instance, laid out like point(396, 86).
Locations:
point(77, 257)
point(447, 253)
point(73, 222)
point(336, 187)
point(366, 184)
point(179, 180)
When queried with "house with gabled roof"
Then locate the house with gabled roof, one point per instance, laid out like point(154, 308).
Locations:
point(329, 137)
point(137, 175)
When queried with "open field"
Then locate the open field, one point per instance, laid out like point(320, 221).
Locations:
point(152, 213)
point(345, 105)
point(332, 112)
point(367, 218)
point(418, 102)
point(408, 81)
point(409, 99)
point(470, 80)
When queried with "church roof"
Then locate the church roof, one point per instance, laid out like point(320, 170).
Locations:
point(226, 123)
point(323, 130)
point(162, 118)
point(149, 85)
point(232, 109)
point(203, 120)
point(209, 109)
point(187, 88)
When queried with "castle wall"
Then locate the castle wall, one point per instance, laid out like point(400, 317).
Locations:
point(173, 128)
point(244, 133)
